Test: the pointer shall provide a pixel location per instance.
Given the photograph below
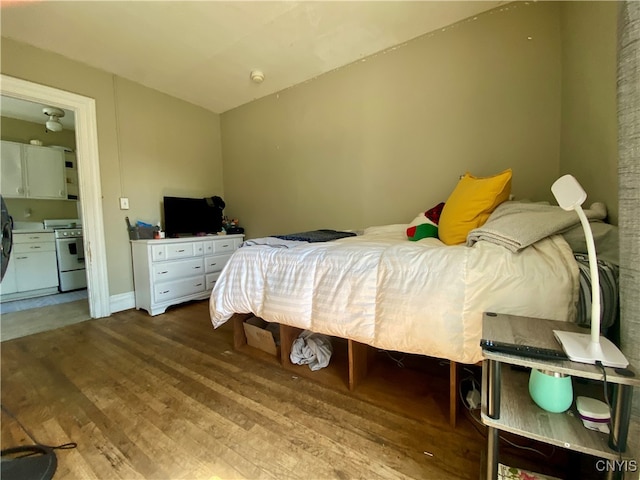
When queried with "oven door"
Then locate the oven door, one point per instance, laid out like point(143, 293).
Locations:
point(71, 268)
point(70, 252)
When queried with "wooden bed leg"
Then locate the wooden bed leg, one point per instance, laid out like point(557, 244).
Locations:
point(358, 362)
point(453, 393)
point(288, 335)
point(239, 338)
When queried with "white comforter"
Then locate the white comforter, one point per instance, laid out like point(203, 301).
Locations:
point(383, 290)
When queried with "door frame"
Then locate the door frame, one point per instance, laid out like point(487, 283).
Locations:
point(84, 109)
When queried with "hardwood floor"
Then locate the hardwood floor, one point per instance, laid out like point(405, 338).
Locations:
point(166, 397)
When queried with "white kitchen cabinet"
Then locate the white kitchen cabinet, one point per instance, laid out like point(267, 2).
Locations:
point(175, 270)
point(45, 172)
point(30, 171)
point(8, 284)
point(11, 174)
point(33, 268)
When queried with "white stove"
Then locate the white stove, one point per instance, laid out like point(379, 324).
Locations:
point(69, 252)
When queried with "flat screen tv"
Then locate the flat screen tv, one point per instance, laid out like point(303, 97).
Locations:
point(192, 216)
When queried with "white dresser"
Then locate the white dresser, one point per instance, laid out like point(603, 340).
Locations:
point(175, 270)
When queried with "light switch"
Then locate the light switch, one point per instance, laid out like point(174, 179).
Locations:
point(124, 203)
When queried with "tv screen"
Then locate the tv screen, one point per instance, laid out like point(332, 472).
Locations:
point(191, 216)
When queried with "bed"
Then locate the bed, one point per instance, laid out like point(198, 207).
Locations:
point(422, 297)
point(381, 290)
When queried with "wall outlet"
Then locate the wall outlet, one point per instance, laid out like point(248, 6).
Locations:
point(124, 203)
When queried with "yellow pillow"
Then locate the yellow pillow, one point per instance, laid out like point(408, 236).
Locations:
point(470, 204)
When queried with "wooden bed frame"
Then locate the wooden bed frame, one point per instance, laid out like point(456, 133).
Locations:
point(352, 362)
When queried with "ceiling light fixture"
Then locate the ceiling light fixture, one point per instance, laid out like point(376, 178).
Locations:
point(54, 114)
point(257, 76)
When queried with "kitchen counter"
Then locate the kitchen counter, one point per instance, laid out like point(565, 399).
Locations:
point(32, 230)
point(30, 227)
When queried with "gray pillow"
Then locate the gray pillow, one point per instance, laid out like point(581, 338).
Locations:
point(605, 237)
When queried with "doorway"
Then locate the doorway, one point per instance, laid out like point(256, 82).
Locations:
point(84, 110)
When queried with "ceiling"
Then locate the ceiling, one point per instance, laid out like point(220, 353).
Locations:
point(203, 51)
point(32, 112)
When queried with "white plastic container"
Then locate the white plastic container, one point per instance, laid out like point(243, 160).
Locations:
point(595, 415)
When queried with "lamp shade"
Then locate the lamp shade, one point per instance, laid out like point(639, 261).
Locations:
point(568, 192)
point(551, 391)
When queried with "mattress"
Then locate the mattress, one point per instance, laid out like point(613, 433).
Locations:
point(382, 290)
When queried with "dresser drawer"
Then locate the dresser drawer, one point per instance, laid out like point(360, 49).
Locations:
point(180, 250)
point(158, 253)
point(178, 288)
point(198, 248)
point(211, 280)
point(215, 263)
point(222, 246)
point(167, 271)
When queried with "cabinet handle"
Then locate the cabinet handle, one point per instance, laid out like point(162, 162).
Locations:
point(20, 190)
point(213, 264)
point(196, 268)
point(34, 247)
point(225, 246)
point(162, 273)
point(21, 258)
point(166, 291)
point(198, 284)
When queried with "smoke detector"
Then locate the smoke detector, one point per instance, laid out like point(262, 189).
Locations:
point(257, 76)
point(54, 114)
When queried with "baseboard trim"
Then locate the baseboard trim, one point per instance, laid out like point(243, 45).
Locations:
point(122, 301)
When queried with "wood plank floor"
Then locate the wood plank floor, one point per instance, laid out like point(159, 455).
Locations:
point(166, 397)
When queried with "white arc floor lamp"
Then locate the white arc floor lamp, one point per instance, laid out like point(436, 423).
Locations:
point(582, 347)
